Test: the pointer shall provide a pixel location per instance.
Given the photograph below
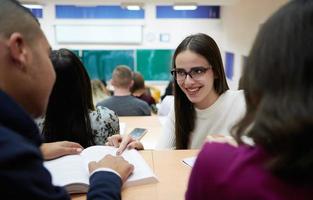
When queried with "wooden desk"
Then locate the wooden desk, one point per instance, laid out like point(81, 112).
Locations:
point(152, 123)
point(172, 173)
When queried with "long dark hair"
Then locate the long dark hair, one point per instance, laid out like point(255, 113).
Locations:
point(67, 116)
point(205, 46)
point(278, 85)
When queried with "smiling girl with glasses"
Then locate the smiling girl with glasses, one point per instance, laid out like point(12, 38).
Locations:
point(203, 103)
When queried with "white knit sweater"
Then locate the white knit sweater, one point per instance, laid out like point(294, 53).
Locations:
point(219, 118)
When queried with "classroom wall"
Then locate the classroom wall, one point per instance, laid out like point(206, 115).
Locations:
point(152, 27)
point(240, 24)
point(177, 29)
point(234, 32)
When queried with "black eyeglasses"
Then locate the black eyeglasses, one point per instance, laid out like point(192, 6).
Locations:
point(196, 73)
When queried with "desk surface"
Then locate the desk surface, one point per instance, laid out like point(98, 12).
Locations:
point(172, 173)
point(151, 123)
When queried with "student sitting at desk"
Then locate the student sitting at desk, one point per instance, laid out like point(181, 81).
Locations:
point(167, 100)
point(278, 85)
point(168, 90)
point(139, 90)
point(122, 103)
point(99, 91)
point(71, 115)
point(26, 80)
point(203, 103)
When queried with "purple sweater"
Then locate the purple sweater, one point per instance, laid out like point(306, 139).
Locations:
point(225, 172)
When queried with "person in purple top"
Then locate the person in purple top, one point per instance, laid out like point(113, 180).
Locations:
point(278, 88)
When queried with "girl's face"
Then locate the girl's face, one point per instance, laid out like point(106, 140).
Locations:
point(199, 88)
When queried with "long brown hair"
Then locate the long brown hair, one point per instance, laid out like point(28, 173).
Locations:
point(205, 46)
point(278, 85)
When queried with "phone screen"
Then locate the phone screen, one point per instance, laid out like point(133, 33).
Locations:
point(138, 133)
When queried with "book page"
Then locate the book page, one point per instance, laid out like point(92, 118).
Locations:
point(142, 173)
point(96, 153)
point(67, 170)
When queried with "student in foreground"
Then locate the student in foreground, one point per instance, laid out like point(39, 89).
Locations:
point(26, 80)
point(203, 103)
point(279, 92)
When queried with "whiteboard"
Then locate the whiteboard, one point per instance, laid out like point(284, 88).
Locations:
point(105, 34)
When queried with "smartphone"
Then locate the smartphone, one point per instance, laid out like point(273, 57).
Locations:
point(138, 133)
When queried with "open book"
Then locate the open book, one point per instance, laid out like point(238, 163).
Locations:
point(72, 171)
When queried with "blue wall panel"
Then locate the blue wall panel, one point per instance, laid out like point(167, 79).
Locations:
point(37, 12)
point(229, 65)
point(200, 12)
point(96, 12)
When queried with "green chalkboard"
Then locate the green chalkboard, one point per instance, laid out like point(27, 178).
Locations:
point(101, 63)
point(154, 64)
point(76, 52)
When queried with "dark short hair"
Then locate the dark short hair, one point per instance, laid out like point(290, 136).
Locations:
point(70, 102)
point(16, 18)
point(205, 46)
point(277, 81)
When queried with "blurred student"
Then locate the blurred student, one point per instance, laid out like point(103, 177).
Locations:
point(71, 115)
point(203, 103)
point(154, 92)
point(26, 80)
point(166, 105)
point(139, 90)
point(167, 100)
point(99, 91)
point(122, 102)
point(168, 90)
point(278, 86)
